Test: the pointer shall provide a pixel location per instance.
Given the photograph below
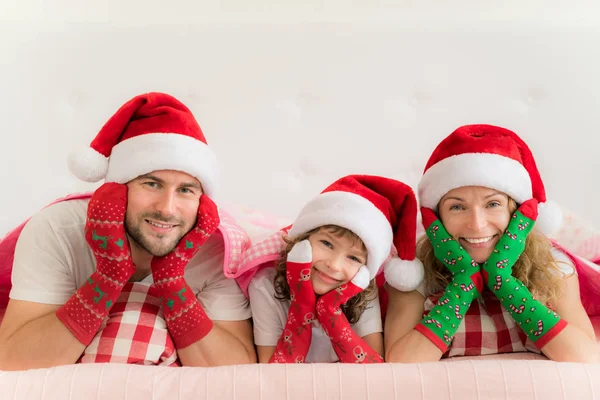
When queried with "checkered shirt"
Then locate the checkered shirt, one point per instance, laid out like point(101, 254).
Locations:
point(487, 328)
point(135, 331)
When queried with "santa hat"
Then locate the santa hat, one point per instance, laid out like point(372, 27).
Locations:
point(150, 132)
point(381, 212)
point(489, 156)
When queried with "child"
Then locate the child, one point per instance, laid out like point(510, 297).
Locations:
point(484, 210)
point(318, 302)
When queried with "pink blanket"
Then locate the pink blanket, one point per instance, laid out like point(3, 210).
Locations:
point(7, 251)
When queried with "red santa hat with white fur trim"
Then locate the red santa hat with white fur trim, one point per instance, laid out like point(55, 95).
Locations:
point(382, 212)
point(489, 156)
point(152, 131)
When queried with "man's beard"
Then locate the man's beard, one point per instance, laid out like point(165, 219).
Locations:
point(156, 248)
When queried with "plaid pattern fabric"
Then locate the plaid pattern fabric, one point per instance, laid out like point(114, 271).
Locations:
point(135, 331)
point(258, 255)
point(487, 328)
point(236, 241)
point(263, 250)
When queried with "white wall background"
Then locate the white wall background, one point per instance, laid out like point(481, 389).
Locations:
point(292, 95)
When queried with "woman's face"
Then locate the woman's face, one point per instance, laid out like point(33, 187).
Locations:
point(477, 216)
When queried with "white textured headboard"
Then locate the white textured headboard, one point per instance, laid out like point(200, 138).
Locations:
point(293, 96)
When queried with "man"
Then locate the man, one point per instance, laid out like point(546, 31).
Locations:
point(153, 221)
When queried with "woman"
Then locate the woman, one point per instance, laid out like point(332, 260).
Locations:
point(494, 282)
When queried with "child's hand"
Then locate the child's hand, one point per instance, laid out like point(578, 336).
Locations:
point(349, 347)
point(294, 342)
point(331, 302)
point(298, 270)
point(300, 253)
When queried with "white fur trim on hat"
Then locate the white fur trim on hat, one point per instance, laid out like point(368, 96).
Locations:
point(87, 164)
point(353, 212)
point(143, 154)
point(549, 218)
point(474, 169)
point(404, 275)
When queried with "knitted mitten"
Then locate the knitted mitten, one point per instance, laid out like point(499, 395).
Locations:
point(293, 345)
point(85, 311)
point(538, 322)
point(186, 320)
point(349, 346)
point(443, 320)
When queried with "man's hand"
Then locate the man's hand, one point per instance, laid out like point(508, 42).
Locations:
point(186, 319)
point(84, 313)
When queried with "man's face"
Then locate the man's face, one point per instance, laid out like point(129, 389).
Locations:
point(162, 207)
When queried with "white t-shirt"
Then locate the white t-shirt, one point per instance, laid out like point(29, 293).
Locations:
point(53, 259)
point(564, 263)
point(269, 316)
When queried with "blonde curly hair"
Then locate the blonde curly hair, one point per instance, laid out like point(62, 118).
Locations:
point(536, 267)
point(354, 308)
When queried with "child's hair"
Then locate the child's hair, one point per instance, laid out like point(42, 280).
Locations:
point(536, 267)
point(356, 305)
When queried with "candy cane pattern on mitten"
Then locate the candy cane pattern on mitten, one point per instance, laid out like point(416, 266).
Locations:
point(498, 283)
point(540, 328)
point(457, 312)
point(539, 323)
point(432, 321)
point(467, 288)
point(517, 310)
point(443, 320)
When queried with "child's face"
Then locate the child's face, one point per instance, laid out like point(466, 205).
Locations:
point(477, 216)
point(335, 260)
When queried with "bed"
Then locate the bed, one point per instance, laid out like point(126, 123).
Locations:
point(290, 97)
